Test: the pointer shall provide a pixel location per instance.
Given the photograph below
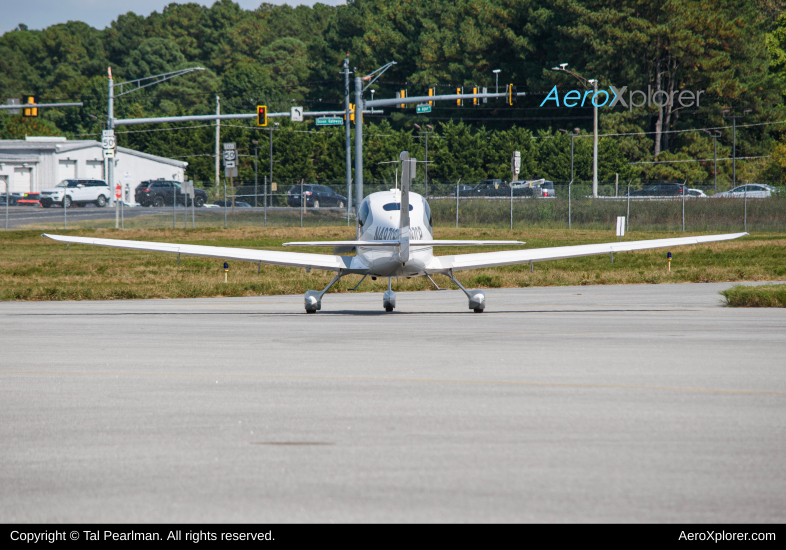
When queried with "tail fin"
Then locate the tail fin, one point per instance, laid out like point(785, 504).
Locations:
point(407, 174)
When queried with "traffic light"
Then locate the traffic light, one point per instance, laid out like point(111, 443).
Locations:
point(29, 100)
point(261, 115)
point(352, 112)
point(475, 100)
point(431, 92)
point(511, 99)
point(402, 94)
point(458, 101)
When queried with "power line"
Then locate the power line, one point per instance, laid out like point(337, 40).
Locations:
point(696, 160)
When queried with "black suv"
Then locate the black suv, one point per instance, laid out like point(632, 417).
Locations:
point(316, 196)
point(161, 192)
point(661, 190)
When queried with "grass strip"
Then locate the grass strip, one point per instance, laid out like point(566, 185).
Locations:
point(755, 296)
point(35, 268)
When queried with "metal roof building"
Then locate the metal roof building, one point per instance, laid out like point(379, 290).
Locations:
point(37, 163)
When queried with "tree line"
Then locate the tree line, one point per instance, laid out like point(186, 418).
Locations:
point(282, 56)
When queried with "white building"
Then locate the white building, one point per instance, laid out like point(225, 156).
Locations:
point(37, 163)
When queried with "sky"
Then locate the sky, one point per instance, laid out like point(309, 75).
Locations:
point(39, 14)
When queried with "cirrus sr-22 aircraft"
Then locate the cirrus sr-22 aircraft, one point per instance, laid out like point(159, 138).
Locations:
point(395, 239)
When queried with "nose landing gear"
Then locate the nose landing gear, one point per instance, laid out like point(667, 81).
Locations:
point(389, 299)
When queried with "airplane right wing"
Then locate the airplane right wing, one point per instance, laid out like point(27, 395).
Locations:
point(461, 262)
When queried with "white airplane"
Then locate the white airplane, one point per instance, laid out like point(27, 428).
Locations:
point(395, 239)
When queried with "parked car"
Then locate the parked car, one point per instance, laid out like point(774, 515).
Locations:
point(462, 189)
point(490, 188)
point(547, 190)
point(316, 196)
point(228, 204)
point(76, 193)
point(660, 190)
point(11, 199)
point(696, 193)
point(752, 190)
point(161, 193)
point(29, 199)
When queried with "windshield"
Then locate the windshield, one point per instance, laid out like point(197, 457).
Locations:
point(68, 183)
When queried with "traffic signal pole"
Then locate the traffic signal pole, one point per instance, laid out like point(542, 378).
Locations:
point(348, 138)
point(388, 103)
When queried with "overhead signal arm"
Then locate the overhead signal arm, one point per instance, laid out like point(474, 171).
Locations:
point(428, 98)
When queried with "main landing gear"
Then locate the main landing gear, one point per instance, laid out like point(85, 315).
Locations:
point(477, 299)
point(314, 297)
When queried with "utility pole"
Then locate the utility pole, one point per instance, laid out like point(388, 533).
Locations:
point(714, 135)
point(256, 177)
point(734, 118)
point(496, 78)
point(218, 138)
point(594, 140)
point(426, 133)
point(573, 135)
point(348, 139)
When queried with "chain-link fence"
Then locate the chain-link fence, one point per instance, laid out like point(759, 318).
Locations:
point(647, 205)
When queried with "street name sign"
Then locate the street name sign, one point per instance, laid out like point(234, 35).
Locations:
point(330, 121)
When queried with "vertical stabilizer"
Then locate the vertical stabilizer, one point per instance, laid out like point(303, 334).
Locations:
point(407, 173)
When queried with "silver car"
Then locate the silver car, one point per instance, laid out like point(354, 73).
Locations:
point(751, 190)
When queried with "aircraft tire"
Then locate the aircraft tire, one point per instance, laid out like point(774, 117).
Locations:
point(389, 308)
point(478, 310)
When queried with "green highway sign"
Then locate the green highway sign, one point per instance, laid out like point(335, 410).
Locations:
point(423, 108)
point(330, 121)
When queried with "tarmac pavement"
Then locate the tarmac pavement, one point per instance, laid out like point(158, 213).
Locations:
point(641, 403)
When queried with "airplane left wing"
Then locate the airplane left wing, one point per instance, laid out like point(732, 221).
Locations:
point(461, 262)
point(290, 259)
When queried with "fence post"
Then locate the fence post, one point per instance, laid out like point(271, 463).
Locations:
point(627, 217)
point(570, 185)
point(225, 203)
point(745, 216)
point(684, 188)
point(457, 201)
point(511, 207)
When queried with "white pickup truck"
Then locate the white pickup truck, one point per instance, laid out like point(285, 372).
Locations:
point(76, 193)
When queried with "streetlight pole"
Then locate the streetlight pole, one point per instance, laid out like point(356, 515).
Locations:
point(594, 84)
point(496, 75)
point(734, 118)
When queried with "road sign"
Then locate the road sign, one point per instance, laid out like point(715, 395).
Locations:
point(13, 101)
point(330, 121)
point(118, 191)
point(230, 156)
point(229, 146)
point(423, 108)
point(188, 188)
point(515, 163)
point(229, 164)
point(108, 139)
point(230, 172)
point(109, 153)
point(296, 114)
